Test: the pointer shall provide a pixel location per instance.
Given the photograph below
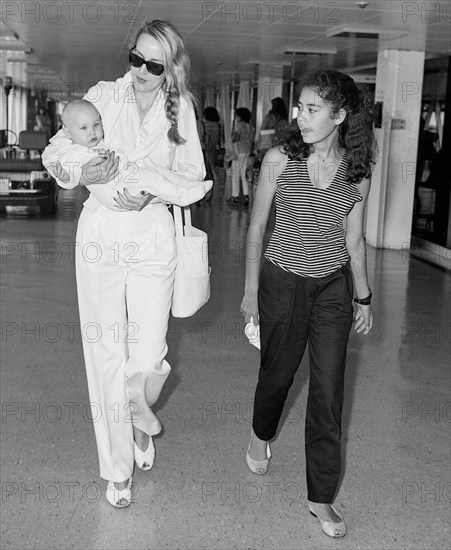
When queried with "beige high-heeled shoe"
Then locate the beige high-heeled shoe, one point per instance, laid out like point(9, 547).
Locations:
point(331, 528)
point(258, 466)
point(119, 498)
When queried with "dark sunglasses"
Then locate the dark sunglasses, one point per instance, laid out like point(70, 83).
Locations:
point(137, 61)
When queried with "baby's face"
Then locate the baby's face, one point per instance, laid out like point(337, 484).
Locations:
point(84, 126)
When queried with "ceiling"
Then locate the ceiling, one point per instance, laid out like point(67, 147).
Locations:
point(67, 46)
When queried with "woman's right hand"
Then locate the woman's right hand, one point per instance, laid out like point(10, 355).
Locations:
point(249, 308)
point(100, 170)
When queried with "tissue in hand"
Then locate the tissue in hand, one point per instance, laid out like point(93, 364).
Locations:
point(253, 333)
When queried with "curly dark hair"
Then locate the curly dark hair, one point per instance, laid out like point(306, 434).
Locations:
point(244, 114)
point(355, 132)
point(211, 114)
point(279, 108)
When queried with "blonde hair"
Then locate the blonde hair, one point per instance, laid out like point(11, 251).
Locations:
point(177, 68)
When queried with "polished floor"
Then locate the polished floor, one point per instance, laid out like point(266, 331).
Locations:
point(395, 492)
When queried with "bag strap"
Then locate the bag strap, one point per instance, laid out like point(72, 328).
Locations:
point(178, 222)
point(187, 216)
point(182, 223)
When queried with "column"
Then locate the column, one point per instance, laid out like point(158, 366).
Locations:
point(442, 214)
point(399, 82)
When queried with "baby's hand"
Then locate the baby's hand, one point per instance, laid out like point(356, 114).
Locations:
point(102, 152)
point(58, 171)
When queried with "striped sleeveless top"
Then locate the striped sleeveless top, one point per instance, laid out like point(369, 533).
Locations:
point(309, 237)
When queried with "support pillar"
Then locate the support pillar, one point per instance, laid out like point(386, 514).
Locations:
point(399, 83)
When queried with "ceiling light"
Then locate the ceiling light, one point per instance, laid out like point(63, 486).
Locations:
point(11, 38)
point(356, 68)
point(11, 42)
point(15, 50)
point(273, 62)
point(363, 32)
point(309, 50)
point(18, 59)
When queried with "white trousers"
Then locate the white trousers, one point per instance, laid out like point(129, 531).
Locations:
point(239, 173)
point(125, 265)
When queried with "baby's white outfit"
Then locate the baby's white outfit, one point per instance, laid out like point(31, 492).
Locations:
point(166, 185)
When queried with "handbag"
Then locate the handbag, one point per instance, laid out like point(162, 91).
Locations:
point(192, 274)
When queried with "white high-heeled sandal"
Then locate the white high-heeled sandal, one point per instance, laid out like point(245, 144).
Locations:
point(145, 459)
point(119, 498)
point(331, 528)
point(258, 466)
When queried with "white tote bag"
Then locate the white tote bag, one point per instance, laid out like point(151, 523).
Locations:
point(192, 274)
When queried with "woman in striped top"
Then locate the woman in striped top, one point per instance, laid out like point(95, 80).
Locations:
point(304, 290)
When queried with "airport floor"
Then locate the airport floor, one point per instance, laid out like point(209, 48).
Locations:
point(395, 491)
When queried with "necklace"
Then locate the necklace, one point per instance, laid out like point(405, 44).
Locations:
point(317, 159)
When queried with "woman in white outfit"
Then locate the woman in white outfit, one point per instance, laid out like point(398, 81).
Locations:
point(243, 142)
point(125, 259)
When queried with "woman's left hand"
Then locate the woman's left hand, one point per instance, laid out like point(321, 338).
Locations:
point(128, 202)
point(363, 319)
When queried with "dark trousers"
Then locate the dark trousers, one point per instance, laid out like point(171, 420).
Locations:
point(295, 310)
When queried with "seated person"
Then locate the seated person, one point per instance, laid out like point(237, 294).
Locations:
point(82, 124)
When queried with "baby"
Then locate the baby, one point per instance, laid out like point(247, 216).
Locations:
point(82, 124)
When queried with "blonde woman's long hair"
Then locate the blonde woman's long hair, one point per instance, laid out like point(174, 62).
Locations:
point(177, 69)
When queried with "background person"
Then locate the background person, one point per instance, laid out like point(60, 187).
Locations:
point(43, 122)
point(274, 125)
point(211, 142)
point(242, 143)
